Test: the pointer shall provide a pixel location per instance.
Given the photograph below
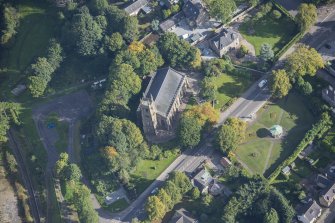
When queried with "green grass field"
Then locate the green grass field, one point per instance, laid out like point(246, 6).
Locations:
point(147, 171)
point(230, 86)
point(37, 26)
point(276, 32)
point(260, 152)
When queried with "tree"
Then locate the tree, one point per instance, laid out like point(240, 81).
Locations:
point(8, 112)
point(266, 53)
point(178, 52)
point(271, 217)
point(253, 2)
point(209, 88)
point(150, 60)
point(72, 172)
point(85, 33)
point(165, 198)
point(307, 16)
point(155, 208)
point(61, 163)
point(231, 134)
point(10, 22)
point(221, 9)
point(280, 84)
point(114, 42)
point(155, 25)
point(216, 67)
point(181, 181)
point(304, 60)
point(98, 6)
point(195, 193)
point(130, 28)
point(189, 131)
point(173, 191)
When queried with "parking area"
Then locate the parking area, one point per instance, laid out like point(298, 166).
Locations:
point(116, 195)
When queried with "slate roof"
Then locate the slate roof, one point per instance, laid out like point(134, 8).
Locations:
point(224, 39)
point(311, 210)
point(163, 87)
point(170, 22)
point(322, 180)
point(202, 179)
point(329, 192)
point(182, 216)
point(192, 9)
point(135, 6)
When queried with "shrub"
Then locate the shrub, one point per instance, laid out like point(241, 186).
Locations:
point(276, 14)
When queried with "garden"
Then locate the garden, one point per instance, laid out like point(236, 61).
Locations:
point(260, 153)
point(270, 26)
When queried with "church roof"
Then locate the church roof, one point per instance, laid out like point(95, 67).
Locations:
point(163, 88)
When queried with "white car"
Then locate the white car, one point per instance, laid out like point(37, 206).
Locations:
point(262, 83)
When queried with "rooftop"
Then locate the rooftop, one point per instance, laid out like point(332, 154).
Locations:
point(224, 39)
point(311, 210)
point(163, 87)
point(133, 7)
point(329, 192)
point(182, 216)
point(203, 178)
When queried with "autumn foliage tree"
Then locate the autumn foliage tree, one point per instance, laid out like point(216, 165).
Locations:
point(304, 60)
point(280, 83)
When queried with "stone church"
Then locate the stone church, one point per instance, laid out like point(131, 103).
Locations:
point(161, 100)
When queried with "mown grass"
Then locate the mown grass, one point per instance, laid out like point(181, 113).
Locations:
point(295, 118)
point(147, 171)
point(276, 32)
point(230, 86)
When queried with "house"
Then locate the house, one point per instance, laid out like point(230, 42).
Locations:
point(310, 212)
point(224, 42)
point(225, 162)
point(171, 23)
point(202, 180)
point(135, 7)
point(182, 216)
point(195, 13)
point(322, 181)
point(169, 3)
point(286, 170)
point(161, 100)
point(328, 195)
point(216, 188)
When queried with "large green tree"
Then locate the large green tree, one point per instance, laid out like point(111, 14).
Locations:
point(9, 23)
point(178, 52)
point(189, 131)
point(304, 60)
point(280, 83)
point(209, 88)
point(307, 16)
point(266, 53)
point(9, 112)
point(221, 9)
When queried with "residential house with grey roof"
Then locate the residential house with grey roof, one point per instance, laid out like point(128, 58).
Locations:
point(309, 212)
point(225, 41)
point(327, 196)
point(162, 100)
point(195, 12)
point(202, 180)
point(135, 7)
point(182, 216)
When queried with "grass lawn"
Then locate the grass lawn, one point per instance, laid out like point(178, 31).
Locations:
point(230, 86)
point(260, 152)
point(38, 24)
point(276, 32)
point(147, 171)
point(62, 128)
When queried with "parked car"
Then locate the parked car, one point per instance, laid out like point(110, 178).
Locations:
point(262, 83)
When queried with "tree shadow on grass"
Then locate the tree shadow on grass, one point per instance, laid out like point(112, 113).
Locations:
point(263, 133)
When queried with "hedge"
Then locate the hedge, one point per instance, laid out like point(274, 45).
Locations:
point(282, 9)
point(323, 125)
point(295, 39)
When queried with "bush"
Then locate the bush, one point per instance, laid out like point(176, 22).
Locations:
point(276, 14)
